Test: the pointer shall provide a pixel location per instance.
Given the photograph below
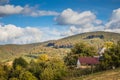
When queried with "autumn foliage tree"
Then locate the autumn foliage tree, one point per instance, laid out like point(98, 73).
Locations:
point(20, 61)
point(108, 44)
point(42, 58)
point(111, 57)
point(79, 49)
point(27, 76)
point(55, 69)
point(3, 73)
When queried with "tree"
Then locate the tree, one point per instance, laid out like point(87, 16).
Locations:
point(80, 49)
point(27, 76)
point(21, 62)
point(15, 73)
point(47, 74)
point(36, 68)
point(42, 58)
point(13, 79)
point(3, 73)
point(111, 57)
point(83, 49)
point(108, 44)
point(55, 69)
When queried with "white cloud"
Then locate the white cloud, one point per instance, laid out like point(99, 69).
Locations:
point(114, 22)
point(76, 30)
point(113, 30)
point(70, 17)
point(79, 22)
point(86, 22)
point(30, 11)
point(10, 9)
point(50, 34)
point(13, 34)
point(113, 25)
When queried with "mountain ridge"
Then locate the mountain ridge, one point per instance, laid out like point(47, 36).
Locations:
point(10, 51)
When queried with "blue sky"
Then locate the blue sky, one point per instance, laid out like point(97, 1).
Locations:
point(102, 9)
point(54, 19)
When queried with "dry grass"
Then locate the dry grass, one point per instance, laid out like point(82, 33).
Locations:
point(105, 75)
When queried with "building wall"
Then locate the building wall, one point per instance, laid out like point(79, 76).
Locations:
point(78, 64)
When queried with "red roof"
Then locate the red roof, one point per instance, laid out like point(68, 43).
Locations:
point(88, 60)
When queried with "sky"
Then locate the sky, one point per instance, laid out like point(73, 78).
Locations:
point(31, 21)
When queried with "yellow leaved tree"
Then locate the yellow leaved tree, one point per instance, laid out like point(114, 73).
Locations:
point(42, 58)
point(108, 44)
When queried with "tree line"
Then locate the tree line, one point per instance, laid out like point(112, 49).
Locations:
point(109, 60)
point(46, 68)
point(41, 69)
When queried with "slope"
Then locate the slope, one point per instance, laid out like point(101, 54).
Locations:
point(104, 75)
point(54, 47)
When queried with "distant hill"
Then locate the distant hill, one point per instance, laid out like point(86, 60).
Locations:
point(61, 46)
point(96, 38)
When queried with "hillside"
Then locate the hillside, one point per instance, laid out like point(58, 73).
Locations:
point(56, 47)
point(104, 75)
point(96, 38)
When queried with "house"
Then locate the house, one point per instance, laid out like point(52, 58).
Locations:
point(87, 62)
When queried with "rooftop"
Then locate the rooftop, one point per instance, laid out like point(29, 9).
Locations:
point(88, 60)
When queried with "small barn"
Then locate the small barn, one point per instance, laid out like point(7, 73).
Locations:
point(87, 62)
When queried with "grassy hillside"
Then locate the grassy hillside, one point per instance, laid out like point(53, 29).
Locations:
point(56, 47)
point(96, 38)
point(10, 51)
point(105, 75)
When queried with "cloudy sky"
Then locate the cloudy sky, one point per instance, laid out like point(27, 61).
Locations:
point(30, 21)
